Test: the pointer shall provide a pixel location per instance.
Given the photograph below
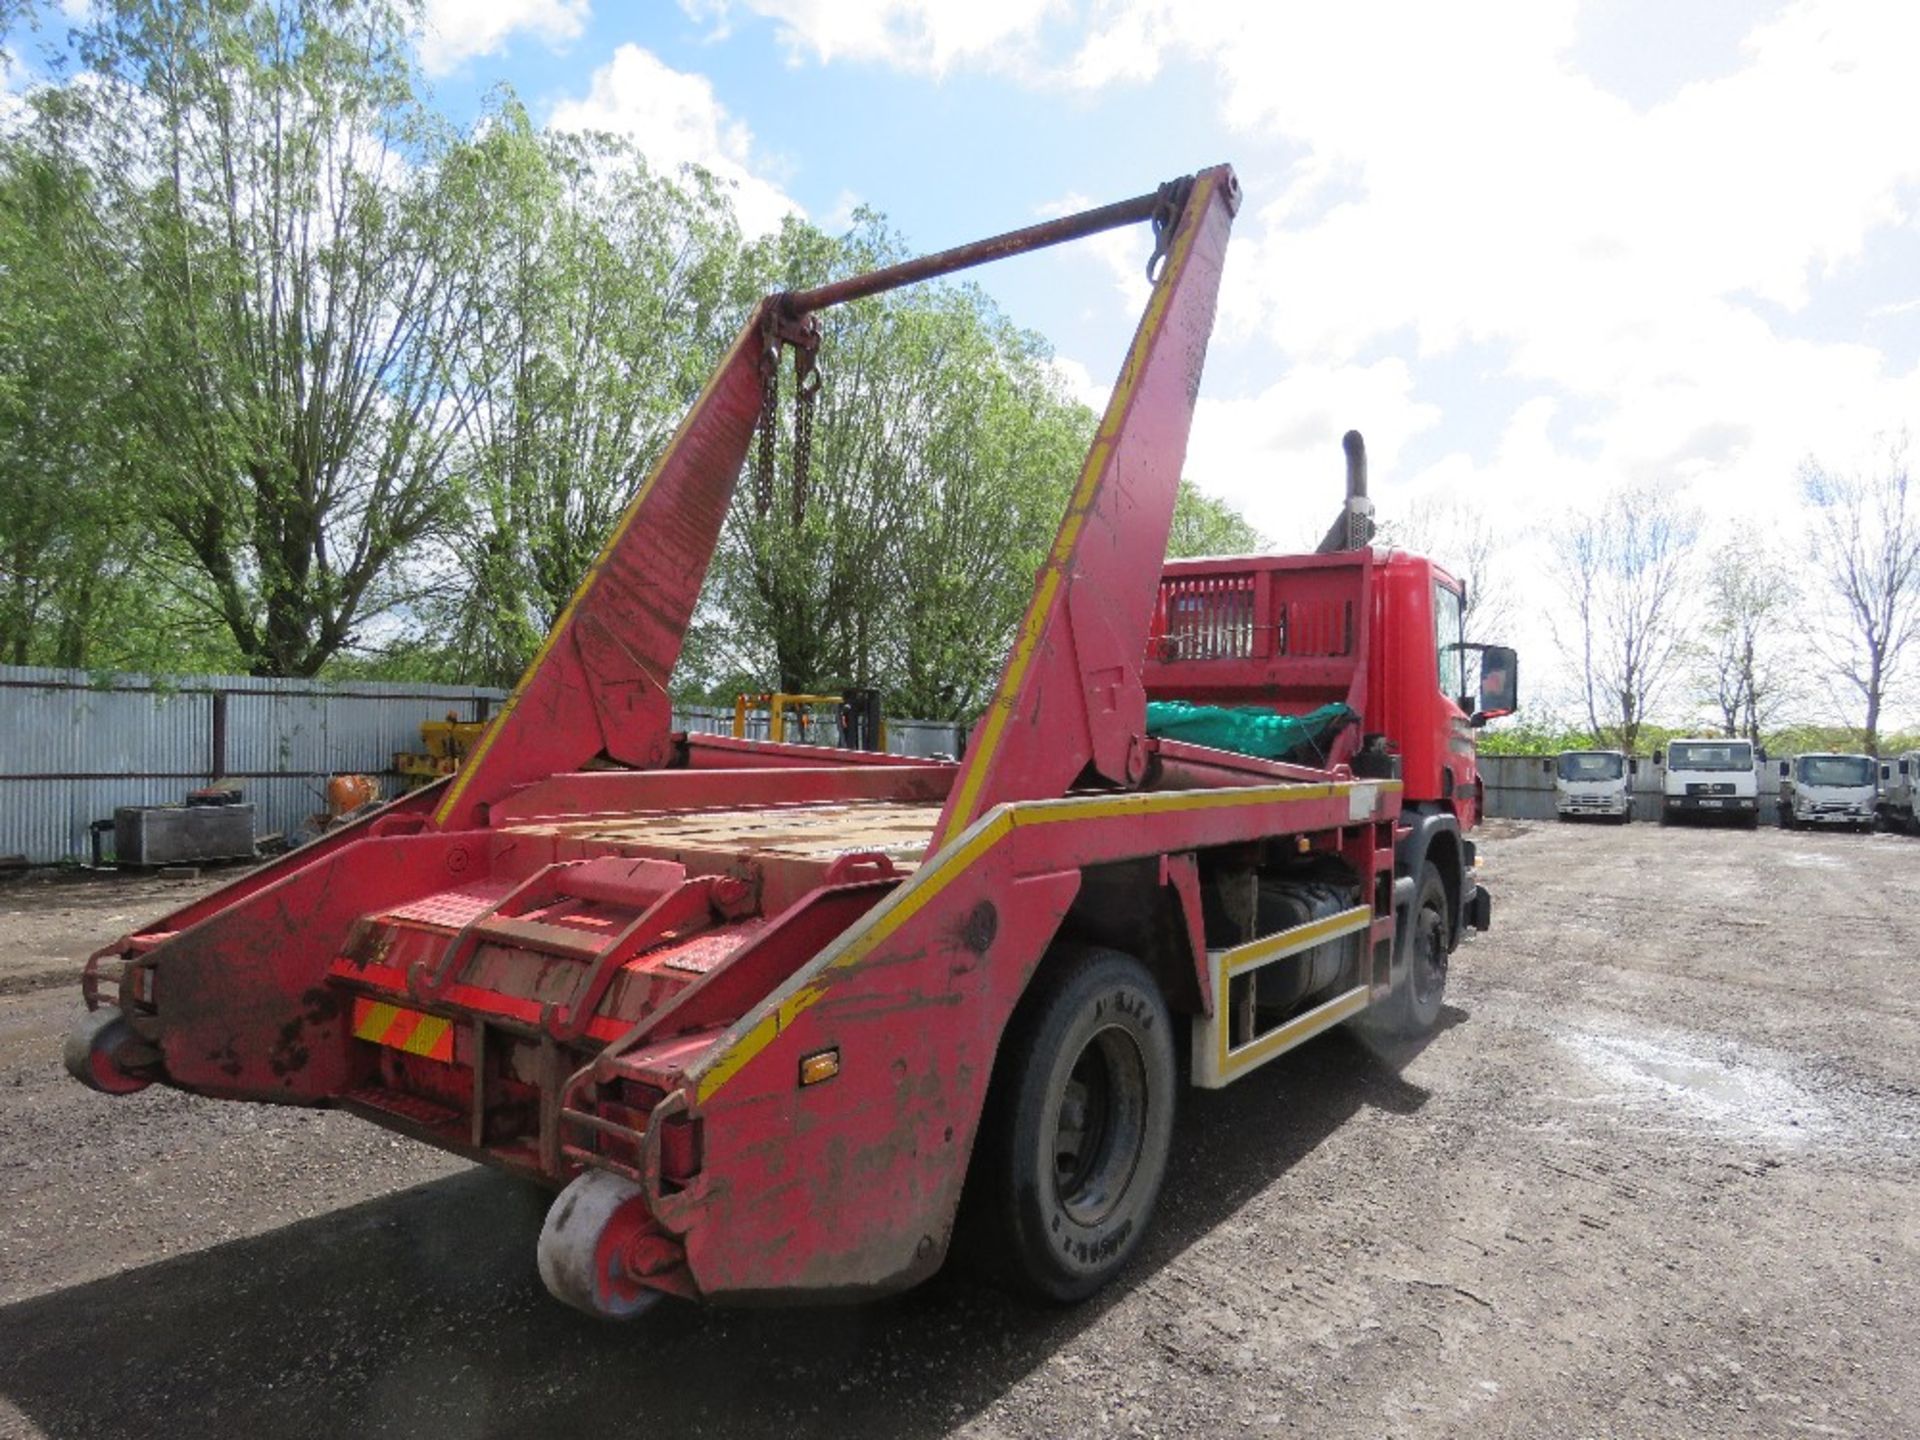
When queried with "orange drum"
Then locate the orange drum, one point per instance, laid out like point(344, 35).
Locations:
point(347, 793)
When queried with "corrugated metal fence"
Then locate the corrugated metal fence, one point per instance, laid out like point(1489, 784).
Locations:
point(75, 745)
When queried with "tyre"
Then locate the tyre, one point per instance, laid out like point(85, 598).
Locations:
point(1079, 1118)
point(1414, 1007)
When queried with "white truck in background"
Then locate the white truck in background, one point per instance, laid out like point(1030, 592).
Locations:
point(1899, 782)
point(1827, 789)
point(1593, 782)
point(1710, 778)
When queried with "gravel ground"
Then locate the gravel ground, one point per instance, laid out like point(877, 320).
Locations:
point(1654, 1176)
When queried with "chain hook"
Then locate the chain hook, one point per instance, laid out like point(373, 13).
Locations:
point(1171, 201)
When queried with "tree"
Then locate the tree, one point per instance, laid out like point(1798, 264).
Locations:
point(1624, 571)
point(1866, 549)
point(942, 452)
point(293, 257)
point(1206, 525)
point(1464, 539)
point(606, 296)
point(57, 537)
point(1750, 599)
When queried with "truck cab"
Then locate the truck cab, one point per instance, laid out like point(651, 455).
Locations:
point(1899, 780)
point(1826, 789)
point(1375, 630)
point(1593, 782)
point(1710, 778)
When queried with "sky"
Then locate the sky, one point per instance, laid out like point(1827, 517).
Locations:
point(1534, 251)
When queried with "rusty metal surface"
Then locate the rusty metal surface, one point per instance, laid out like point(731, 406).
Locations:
point(979, 252)
point(599, 684)
point(1070, 698)
point(633, 966)
point(815, 832)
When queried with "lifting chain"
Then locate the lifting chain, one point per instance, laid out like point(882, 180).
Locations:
point(769, 424)
point(806, 388)
point(804, 336)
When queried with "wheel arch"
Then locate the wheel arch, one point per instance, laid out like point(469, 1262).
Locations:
point(1148, 908)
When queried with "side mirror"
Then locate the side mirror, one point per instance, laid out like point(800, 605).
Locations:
point(1906, 767)
point(1633, 765)
point(1659, 757)
point(1786, 770)
point(1886, 772)
point(1499, 683)
point(1762, 753)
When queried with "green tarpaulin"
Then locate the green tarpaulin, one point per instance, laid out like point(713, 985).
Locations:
point(1250, 730)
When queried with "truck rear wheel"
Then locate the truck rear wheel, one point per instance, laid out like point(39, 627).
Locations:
point(1079, 1118)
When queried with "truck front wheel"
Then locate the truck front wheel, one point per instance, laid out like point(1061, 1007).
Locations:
point(1079, 1118)
point(1414, 1007)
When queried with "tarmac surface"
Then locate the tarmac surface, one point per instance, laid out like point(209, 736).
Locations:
point(1655, 1175)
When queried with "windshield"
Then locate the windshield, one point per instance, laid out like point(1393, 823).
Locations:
point(1835, 770)
point(1710, 755)
point(1592, 765)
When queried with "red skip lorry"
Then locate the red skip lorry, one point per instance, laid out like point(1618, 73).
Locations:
point(779, 1020)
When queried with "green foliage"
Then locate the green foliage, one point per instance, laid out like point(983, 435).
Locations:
point(294, 380)
point(942, 456)
point(605, 296)
point(265, 219)
point(1204, 525)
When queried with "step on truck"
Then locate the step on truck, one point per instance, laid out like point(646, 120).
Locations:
point(1597, 783)
point(1710, 779)
point(1828, 790)
point(765, 1015)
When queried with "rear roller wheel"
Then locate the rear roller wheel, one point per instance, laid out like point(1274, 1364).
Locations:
point(104, 1054)
point(1079, 1121)
point(595, 1246)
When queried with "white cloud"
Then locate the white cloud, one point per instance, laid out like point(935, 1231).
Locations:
point(456, 31)
point(1078, 383)
point(924, 36)
point(1657, 276)
point(676, 120)
point(1276, 454)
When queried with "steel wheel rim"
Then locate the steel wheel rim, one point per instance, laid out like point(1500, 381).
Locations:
point(1429, 957)
point(1099, 1129)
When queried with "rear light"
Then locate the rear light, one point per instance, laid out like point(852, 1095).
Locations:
point(825, 1064)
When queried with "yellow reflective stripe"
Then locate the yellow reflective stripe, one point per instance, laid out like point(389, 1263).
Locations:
point(1104, 440)
point(426, 1035)
point(1278, 946)
point(909, 899)
point(468, 767)
point(375, 1021)
point(1304, 1027)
